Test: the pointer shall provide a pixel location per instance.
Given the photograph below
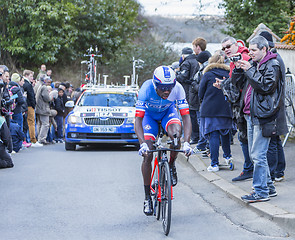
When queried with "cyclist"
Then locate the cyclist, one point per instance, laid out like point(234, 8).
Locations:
point(156, 103)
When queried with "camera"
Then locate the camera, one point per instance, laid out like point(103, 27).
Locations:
point(236, 58)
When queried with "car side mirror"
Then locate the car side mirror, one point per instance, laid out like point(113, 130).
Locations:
point(70, 104)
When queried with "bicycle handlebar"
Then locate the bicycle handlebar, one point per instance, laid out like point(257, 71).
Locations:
point(166, 149)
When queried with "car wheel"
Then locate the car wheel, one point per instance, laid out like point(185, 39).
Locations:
point(70, 146)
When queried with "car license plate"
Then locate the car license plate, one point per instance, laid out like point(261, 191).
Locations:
point(103, 129)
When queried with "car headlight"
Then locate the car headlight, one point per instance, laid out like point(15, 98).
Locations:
point(74, 119)
point(130, 120)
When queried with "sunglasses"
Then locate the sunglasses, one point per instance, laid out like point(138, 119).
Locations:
point(164, 88)
point(226, 47)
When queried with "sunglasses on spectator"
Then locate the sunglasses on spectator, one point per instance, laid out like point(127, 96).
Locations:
point(227, 47)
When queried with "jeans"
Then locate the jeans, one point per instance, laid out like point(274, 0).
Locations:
point(214, 140)
point(19, 119)
point(195, 125)
point(59, 122)
point(248, 165)
point(202, 143)
point(276, 158)
point(258, 146)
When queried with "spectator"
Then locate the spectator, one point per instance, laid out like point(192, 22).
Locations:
point(235, 92)
point(203, 145)
point(216, 115)
point(31, 102)
point(49, 73)
point(17, 136)
point(52, 123)
point(175, 66)
point(5, 143)
point(199, 48)
point(188, 68)
point(15, 86)
point(6, 95)
point(265, 87)
point(76, 94)
point(42, 111)
point(60, 108)
point(42, 72)
point(275, 154)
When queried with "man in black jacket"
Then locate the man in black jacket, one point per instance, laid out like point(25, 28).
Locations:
point(31, 102)
point(275, 154)
point(262, 103)
point(188, 68)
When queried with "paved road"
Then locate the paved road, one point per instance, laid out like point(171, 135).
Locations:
point(97, 193)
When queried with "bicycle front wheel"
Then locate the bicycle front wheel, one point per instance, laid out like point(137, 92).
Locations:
point(166, 204)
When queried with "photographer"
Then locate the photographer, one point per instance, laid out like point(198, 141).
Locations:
point(7, 100)
point(262, 104)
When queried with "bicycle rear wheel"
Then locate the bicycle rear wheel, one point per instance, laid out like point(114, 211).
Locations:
point(166, 204)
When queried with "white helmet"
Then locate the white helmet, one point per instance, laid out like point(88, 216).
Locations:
point(164, 78)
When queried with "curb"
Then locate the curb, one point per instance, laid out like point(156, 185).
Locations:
point(282, 217)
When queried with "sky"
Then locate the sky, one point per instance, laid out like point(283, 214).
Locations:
point(180, 7)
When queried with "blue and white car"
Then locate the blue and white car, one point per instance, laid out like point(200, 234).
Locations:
point(102, 115)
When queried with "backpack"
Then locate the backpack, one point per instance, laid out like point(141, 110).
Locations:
point(13, 105)
point(199, 74)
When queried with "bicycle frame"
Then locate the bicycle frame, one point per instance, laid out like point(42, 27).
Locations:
point(157, 166)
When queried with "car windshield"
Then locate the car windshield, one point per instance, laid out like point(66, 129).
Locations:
point(108, 99)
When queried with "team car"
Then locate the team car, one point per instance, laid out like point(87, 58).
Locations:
point(102, 115)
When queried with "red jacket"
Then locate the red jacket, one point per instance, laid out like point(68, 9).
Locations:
point(245, 55)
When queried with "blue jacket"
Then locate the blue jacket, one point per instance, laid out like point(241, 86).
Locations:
point(17, 135)
point(214, 103)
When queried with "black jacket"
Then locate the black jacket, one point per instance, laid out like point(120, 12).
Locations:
point(59, 106)
point(28, 88)
point(5, 136)
point(15, 89)
point(268, 86)
point(214, 103)
point(188, 68)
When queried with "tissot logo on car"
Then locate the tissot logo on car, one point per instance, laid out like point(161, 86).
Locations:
point(103, 110)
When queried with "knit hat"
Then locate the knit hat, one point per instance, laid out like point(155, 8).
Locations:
point(203, 56)
point(15, 77)
point(187, 50)
point(174, 65)
point(268, 37)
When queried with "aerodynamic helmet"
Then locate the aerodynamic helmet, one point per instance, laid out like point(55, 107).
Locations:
point(164, 78)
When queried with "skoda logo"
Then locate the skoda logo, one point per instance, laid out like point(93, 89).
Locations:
point(104, 118)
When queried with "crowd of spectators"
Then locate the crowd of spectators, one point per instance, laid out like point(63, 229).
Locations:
point(238, 89)
point(32, 111)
